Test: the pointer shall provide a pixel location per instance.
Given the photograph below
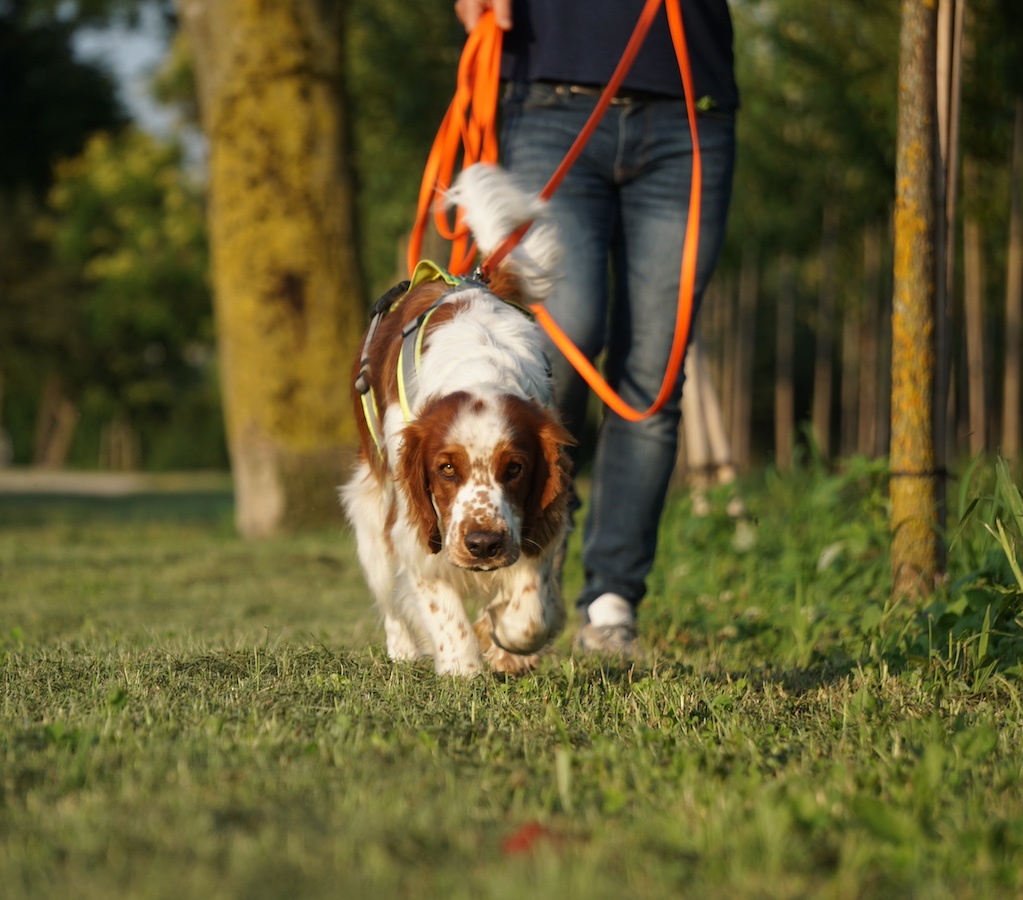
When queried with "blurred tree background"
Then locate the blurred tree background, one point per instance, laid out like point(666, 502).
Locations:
point(107, 346)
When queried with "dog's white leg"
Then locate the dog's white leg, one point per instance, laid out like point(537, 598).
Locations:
point(527, 612)
point(366, 502)
point(441, 619)
point(401, 645)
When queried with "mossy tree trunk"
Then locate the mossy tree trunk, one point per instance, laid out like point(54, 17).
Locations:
point(913, 488)
point(288, 296)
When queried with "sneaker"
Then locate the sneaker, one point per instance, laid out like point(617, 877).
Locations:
point(610, 627)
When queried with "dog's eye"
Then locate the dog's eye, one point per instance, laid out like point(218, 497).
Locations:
point(512, 471)
point(447, 470)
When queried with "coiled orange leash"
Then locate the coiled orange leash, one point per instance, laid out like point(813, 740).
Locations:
point(475, 132)
point(470, 126)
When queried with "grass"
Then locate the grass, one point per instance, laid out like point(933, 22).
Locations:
point(186, 714)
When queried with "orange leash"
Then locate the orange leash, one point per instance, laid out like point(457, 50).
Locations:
point(478, 80)
point(469, 125)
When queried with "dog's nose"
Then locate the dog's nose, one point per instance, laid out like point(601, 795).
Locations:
point(483, 544)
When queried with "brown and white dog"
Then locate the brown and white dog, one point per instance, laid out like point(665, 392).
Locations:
point(461, 488)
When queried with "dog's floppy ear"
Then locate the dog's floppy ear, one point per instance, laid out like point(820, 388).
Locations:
point(413, 481)
point(552, 478)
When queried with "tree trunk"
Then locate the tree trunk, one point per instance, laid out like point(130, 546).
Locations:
point(1014, 300)
point(745, 346)
point(914, 537)
point(973, 318)
point(119, 447)
point(784, 366)
point(6, 446)
point(55, 426)
point(287, 287)
point(884, 353)
point(948, 70)
point(852, 370)
point(870, 323)
point(707, 451)
point(696, 441)
point(727, 344)
point(823, 372)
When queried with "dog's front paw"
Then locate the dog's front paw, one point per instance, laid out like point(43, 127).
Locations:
point(497, 658)
point(510, 663)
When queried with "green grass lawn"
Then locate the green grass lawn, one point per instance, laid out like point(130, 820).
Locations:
point(184, 714)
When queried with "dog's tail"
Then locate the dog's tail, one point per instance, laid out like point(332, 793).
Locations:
point(494, 205)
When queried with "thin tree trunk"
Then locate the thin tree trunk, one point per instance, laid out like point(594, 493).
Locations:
point(852, 368)
point(6, 450)
point(708, 454)
point(742, 409)
point(885, 350)
point(287, 289)
point(696, 442)
point(824, 364)
point(1014, 300)
point(914, 537)
point(728, 345)
point(55, 426)
point(973, 316)
point(119, 449)
point(870, 321)
point(784, 367)
point(722, 459)
point(948, 71)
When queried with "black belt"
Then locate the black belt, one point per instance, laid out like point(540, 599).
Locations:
point(624, 95)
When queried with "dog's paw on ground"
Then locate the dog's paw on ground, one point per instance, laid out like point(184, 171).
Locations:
point(501, 660)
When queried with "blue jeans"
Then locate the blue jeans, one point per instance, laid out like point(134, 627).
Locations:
point(621, 211)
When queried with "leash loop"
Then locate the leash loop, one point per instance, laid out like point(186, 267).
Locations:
point(470, 125)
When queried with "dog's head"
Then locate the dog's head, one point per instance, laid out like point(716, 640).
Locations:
point(485, 478)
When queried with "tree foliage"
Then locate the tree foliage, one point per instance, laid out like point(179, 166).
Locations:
point(817, 122)
point(816, 130)
point(127, 231)
point(102, 252)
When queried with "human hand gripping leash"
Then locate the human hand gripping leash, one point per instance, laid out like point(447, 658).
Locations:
point(470, 125)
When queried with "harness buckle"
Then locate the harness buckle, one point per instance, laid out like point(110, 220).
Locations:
point(386, 300)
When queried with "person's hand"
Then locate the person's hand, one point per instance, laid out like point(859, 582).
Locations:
point(469, 12)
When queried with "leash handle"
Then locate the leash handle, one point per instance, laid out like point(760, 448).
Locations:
point(470, 125)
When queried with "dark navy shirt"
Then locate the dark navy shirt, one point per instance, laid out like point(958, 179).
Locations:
point(581, 42)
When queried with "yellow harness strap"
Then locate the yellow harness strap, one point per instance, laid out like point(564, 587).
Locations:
point(412, 341)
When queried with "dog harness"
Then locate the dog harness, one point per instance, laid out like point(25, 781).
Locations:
point(410, 354)
point(411, 345)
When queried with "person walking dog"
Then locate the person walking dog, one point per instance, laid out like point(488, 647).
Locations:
point(621, 212)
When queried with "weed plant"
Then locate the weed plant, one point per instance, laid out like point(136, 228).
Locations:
point(185, 714)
